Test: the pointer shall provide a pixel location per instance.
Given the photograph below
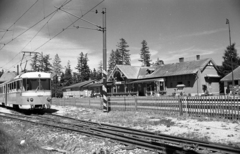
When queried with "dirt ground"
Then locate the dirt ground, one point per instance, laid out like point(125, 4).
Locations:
point(201, 128)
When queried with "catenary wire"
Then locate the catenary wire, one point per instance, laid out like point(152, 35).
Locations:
point(19, 19)
point(65, 27)
point(34, 25)
point(30, 40)
point(68, 25)
point(54, 12)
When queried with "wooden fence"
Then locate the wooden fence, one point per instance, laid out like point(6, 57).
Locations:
point(212, 106)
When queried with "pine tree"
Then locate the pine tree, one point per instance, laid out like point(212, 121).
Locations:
point(79, 66)
point(86, 69)
point(34, 63)
point(93, 74)
point(75, 78)
point(83, 68)
point(112, 61)
point(47, 66)
point(57, 67)
point(124, 55)
point(68, 75)
point(230, 59)
point(145, 54)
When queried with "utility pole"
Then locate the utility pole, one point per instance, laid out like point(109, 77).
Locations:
point(230, 48)
point(104, 86)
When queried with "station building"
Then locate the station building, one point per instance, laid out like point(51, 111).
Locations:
point(194, 77)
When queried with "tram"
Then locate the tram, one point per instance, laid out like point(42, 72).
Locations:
point(30, 90)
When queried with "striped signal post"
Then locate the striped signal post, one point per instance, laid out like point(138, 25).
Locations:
point(104, 86)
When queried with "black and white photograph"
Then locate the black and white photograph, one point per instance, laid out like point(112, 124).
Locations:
point(119, 76)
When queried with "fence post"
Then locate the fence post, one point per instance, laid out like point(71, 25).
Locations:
point(135, 103)
point(180, 106)
point(89, 102)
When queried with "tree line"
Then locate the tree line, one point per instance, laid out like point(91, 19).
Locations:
point(120, 56)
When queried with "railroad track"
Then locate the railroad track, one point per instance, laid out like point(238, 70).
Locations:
point(140, 139)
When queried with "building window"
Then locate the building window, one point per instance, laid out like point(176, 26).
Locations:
point(171, 85)
point(188, 83)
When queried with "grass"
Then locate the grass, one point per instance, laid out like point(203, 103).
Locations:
point(10, 144)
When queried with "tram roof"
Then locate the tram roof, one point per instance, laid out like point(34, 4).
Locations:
point(34, 75)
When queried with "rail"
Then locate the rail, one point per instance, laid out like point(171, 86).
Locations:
point(141, 139)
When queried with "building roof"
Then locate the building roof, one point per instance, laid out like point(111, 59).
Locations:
point(132, 72)
point(181, 68)
point(79, 85)
point(236, 75)
point(7, 76)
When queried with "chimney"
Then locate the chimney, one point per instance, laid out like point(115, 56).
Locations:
point(181, 59)
point(17, 69)
point(198, 57)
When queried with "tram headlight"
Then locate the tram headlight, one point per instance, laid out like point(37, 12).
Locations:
point(31, 99)
point(49, 99)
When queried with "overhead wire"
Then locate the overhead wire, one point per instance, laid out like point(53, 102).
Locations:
point(54, 12)
point(66, 2)
point(30, 40)
point(19, 18)
point(68, 25)
point(34, 24)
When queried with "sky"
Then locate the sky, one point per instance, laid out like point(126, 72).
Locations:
point(172, 29)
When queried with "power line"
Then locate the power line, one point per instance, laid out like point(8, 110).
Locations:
point(54, 12)
point(19, 18)
point(31, 39)
point(63, 28)
point(68, 25)
point(39, 30)
point(34, 24)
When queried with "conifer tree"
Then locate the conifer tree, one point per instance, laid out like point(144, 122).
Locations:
point(230, 59)
point(47, 66)
point(145, 54)
point(86, 69)
point(112, 61)
point(35, 62)
point(79, 66)
point(83, 68)
point(57, 67)
point(122, 53)
point(68, 75)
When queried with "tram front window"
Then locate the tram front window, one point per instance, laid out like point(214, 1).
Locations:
point(36, 84)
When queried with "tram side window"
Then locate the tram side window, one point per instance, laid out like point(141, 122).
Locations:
point(1, 90)
point(24, 84)
point(18, 85)
point(14, 85)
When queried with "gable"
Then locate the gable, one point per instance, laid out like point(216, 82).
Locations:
point(181, 68)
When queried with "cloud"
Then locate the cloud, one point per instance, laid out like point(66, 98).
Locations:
point(202, 33)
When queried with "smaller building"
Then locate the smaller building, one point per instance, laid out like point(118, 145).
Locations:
point(78, 89)
point(7, 76)
point(229, 79)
